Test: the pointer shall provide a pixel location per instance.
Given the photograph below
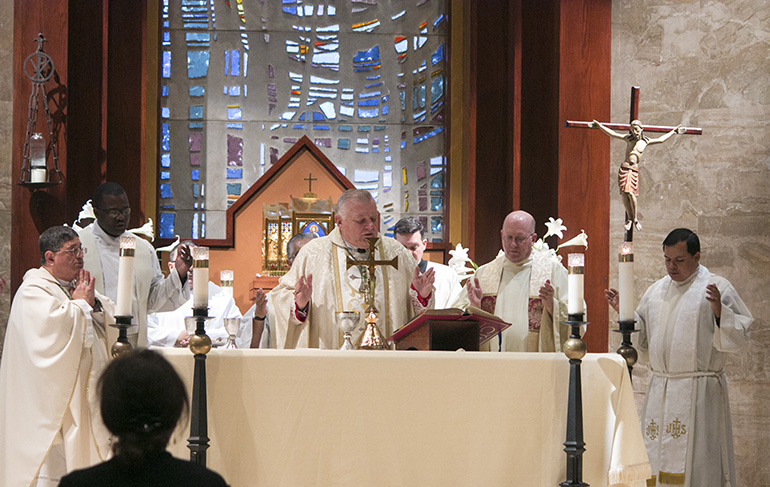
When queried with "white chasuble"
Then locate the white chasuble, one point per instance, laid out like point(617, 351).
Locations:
point(337, 288)
point(686, 423)
point(55, 349)
point(511, 292)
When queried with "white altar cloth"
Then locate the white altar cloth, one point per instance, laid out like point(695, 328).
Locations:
point(295, 418)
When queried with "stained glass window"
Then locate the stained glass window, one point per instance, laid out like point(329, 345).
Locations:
point(242, 80)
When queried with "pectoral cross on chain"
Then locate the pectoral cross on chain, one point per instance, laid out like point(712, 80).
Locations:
point(628, 174)
point(371, 263)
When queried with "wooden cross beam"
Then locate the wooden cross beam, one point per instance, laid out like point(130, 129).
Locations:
point(628, 173)
point(634, 115)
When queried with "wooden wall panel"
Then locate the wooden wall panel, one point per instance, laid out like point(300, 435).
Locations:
point(125, 101)
point(491, 177)
point(31, 212)
point(584, 155)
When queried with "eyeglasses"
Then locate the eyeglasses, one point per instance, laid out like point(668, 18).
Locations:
point(521, 240)
point(75, 251)
point(114, 213)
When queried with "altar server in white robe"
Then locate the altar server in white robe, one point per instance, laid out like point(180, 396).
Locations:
point(410, 233)
point(55, 348)
point(690, 321)
point(525, 288)
point(319, 283)
point(167, 329)
point(151, 292)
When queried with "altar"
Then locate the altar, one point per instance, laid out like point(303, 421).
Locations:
point(408, 418)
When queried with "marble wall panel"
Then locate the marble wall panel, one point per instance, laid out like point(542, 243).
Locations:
point(704, 63)
point(6, 178)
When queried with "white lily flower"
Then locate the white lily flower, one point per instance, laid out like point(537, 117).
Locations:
point(168, 248)
point(580, 239)
point(555, 227)
point(87, 211)
point(146, 230)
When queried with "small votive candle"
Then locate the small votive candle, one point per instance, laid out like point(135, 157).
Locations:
point(200, 277)
point(226, 281)
point(576, 267)
point(125, 275)
point(626, 281)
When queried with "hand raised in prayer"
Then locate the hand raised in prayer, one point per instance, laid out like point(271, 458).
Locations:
point(613, 297)
point(423, 283)
point(84, 287)
point(182, 340)
point(714, 297)
point(260, 303)
point(474, 292)
point(183, 262)
point(303, 290)
point(546, 294)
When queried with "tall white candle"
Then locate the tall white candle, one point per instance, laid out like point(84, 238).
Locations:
point(226, 281)
point(575, 283)
point(200, 277)
point(626, 281)
point(125, 275)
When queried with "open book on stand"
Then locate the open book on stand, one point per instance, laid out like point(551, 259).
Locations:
point(448, 329)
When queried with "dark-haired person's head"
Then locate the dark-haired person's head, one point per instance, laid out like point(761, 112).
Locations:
point(61, 253)
point(409, 232)
point(111, 208)
point(681, 251)
point(142, 399)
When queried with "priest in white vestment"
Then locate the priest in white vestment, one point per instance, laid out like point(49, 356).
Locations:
point(446, 286)
point(303, 305)
point(151, 292)
point(168, 329)
point(55, 348)
point(690, 320)
point(525, 288)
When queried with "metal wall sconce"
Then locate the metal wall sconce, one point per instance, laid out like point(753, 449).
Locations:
point(35, 173)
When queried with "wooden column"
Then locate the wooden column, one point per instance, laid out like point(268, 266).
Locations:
point(126, 81)
point(534, 64)
point(493, 103)
point(584, 155)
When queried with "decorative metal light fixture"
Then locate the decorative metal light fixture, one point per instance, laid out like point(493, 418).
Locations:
point(35, 174)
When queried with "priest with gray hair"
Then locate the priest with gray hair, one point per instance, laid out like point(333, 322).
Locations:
point(319, 282)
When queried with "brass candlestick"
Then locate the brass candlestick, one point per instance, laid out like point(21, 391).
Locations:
point(122, 345)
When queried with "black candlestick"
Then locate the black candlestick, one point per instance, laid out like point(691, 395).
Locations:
point(575, 349)
point(200, 345)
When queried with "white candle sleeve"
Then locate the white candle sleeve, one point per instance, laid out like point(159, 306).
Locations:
point(125, 275)
point(626, 282)
point(575, 279)
point(200, 277)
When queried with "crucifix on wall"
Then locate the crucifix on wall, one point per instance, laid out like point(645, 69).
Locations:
point(637, 142)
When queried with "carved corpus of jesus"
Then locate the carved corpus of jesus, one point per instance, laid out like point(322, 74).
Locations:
point(628, 173)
